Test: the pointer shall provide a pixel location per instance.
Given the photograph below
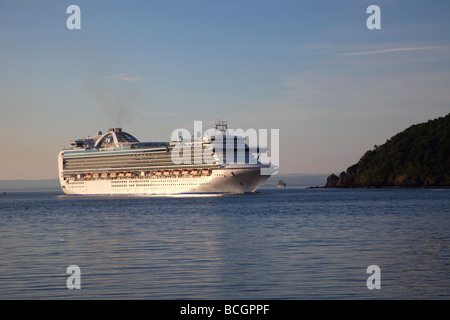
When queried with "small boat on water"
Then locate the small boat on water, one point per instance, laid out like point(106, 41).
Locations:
point(281, 184)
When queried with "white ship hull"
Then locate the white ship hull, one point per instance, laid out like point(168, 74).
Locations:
point(116, 163)
point(232, 180)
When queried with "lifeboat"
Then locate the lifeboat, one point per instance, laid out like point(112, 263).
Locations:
point(89, 175)
point(176, 172)
point(185, 172)
point(104, 175)
point(95, 175)
point(129, 174)
point(121, 174)
point(194, 172)
point(206, 171)
point(158, 173)
point(166, 173)
point(113, 175)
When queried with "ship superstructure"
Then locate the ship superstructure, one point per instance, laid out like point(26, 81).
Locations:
point(118, 163)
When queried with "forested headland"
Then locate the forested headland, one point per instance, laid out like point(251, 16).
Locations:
point(416, 157)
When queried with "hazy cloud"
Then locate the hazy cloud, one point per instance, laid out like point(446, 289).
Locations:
point(388, 51)
point(125, 77)
point(155, 114)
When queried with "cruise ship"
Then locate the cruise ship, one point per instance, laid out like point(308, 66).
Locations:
point(116, 163)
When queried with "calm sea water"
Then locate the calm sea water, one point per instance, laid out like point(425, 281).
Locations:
point(288, 243)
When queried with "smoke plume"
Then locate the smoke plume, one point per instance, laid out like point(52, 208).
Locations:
point(115, 98)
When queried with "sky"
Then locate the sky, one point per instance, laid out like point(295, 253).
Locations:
point(312, 69)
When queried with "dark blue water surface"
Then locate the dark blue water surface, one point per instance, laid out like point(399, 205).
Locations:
point(276, 244)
